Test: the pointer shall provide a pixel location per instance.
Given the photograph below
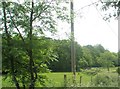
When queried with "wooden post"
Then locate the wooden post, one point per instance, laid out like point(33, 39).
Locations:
point(65, 80)
point(118, 70)
point(73, 62)
point(80, 80)
point(91, 80)
point(119, 48)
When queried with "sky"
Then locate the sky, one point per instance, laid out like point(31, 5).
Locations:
point(91, 29)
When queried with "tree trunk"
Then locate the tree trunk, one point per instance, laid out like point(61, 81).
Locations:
point(13, 74)
point(10, 56)
point(31, 63)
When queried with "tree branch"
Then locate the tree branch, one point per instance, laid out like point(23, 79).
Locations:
point(10, 56)
point(18, 30)
point(32, 81)
point(39, 13)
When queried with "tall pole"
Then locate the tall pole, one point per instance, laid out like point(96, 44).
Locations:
point(118, 50)
point(73, 62)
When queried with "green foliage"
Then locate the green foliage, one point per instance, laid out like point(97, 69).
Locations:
point(92, 71)
point(86, 56)
point(106, 59)
point(25, 52)
point(62, 50)
point(112, 9)
point(106, 80)
point(42, 54)
point(83, 63)
point(118, 70)
point(56, 79)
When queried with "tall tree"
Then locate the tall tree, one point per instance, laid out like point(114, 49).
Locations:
point(9, 44)
point(106, 59)
point(25, 22)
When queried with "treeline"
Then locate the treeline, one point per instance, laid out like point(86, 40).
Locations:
point(85, 56)
point(55, 55)
point(50, 55)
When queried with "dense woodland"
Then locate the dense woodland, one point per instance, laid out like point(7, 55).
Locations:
point(27, 52)
point(86, 56)
point(55, 55)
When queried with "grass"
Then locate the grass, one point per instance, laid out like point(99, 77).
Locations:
point(6, 82)
point(0, 81)
point(56, 79)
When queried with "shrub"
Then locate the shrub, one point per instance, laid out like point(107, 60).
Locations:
point(106, 80)
point(118, 70)
point(92, 71)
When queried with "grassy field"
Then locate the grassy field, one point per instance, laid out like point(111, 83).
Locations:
point(56, 79)
point(0, 82)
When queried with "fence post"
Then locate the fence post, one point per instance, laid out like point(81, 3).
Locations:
point(119, 81)
point(80, 80)
point(65, 80)
point(91, 80)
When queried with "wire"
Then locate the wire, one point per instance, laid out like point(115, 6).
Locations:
point(93, 3)
point(107, 24)
point(80, 13)
point(105, 21)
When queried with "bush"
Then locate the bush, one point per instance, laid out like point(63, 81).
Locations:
point(106, 80)
point(118, 70)
point(92, 71)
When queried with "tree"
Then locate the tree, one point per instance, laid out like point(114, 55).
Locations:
point(62, 50)
point(106, 59)
point(82, 63)
point(108, 6)
point(78, 55)
point(88, 57)
point(10, 56)
point(20, 26)
point(98, 49)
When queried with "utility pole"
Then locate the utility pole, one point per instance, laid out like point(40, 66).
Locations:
point(118, 4)
point(73, 61)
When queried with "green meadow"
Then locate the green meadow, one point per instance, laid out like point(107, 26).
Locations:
point(57, 79)
point(88, 78)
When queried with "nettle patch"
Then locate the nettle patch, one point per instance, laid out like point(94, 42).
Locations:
point(106, 80)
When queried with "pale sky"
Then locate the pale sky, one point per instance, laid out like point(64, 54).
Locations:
point(91, 29)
